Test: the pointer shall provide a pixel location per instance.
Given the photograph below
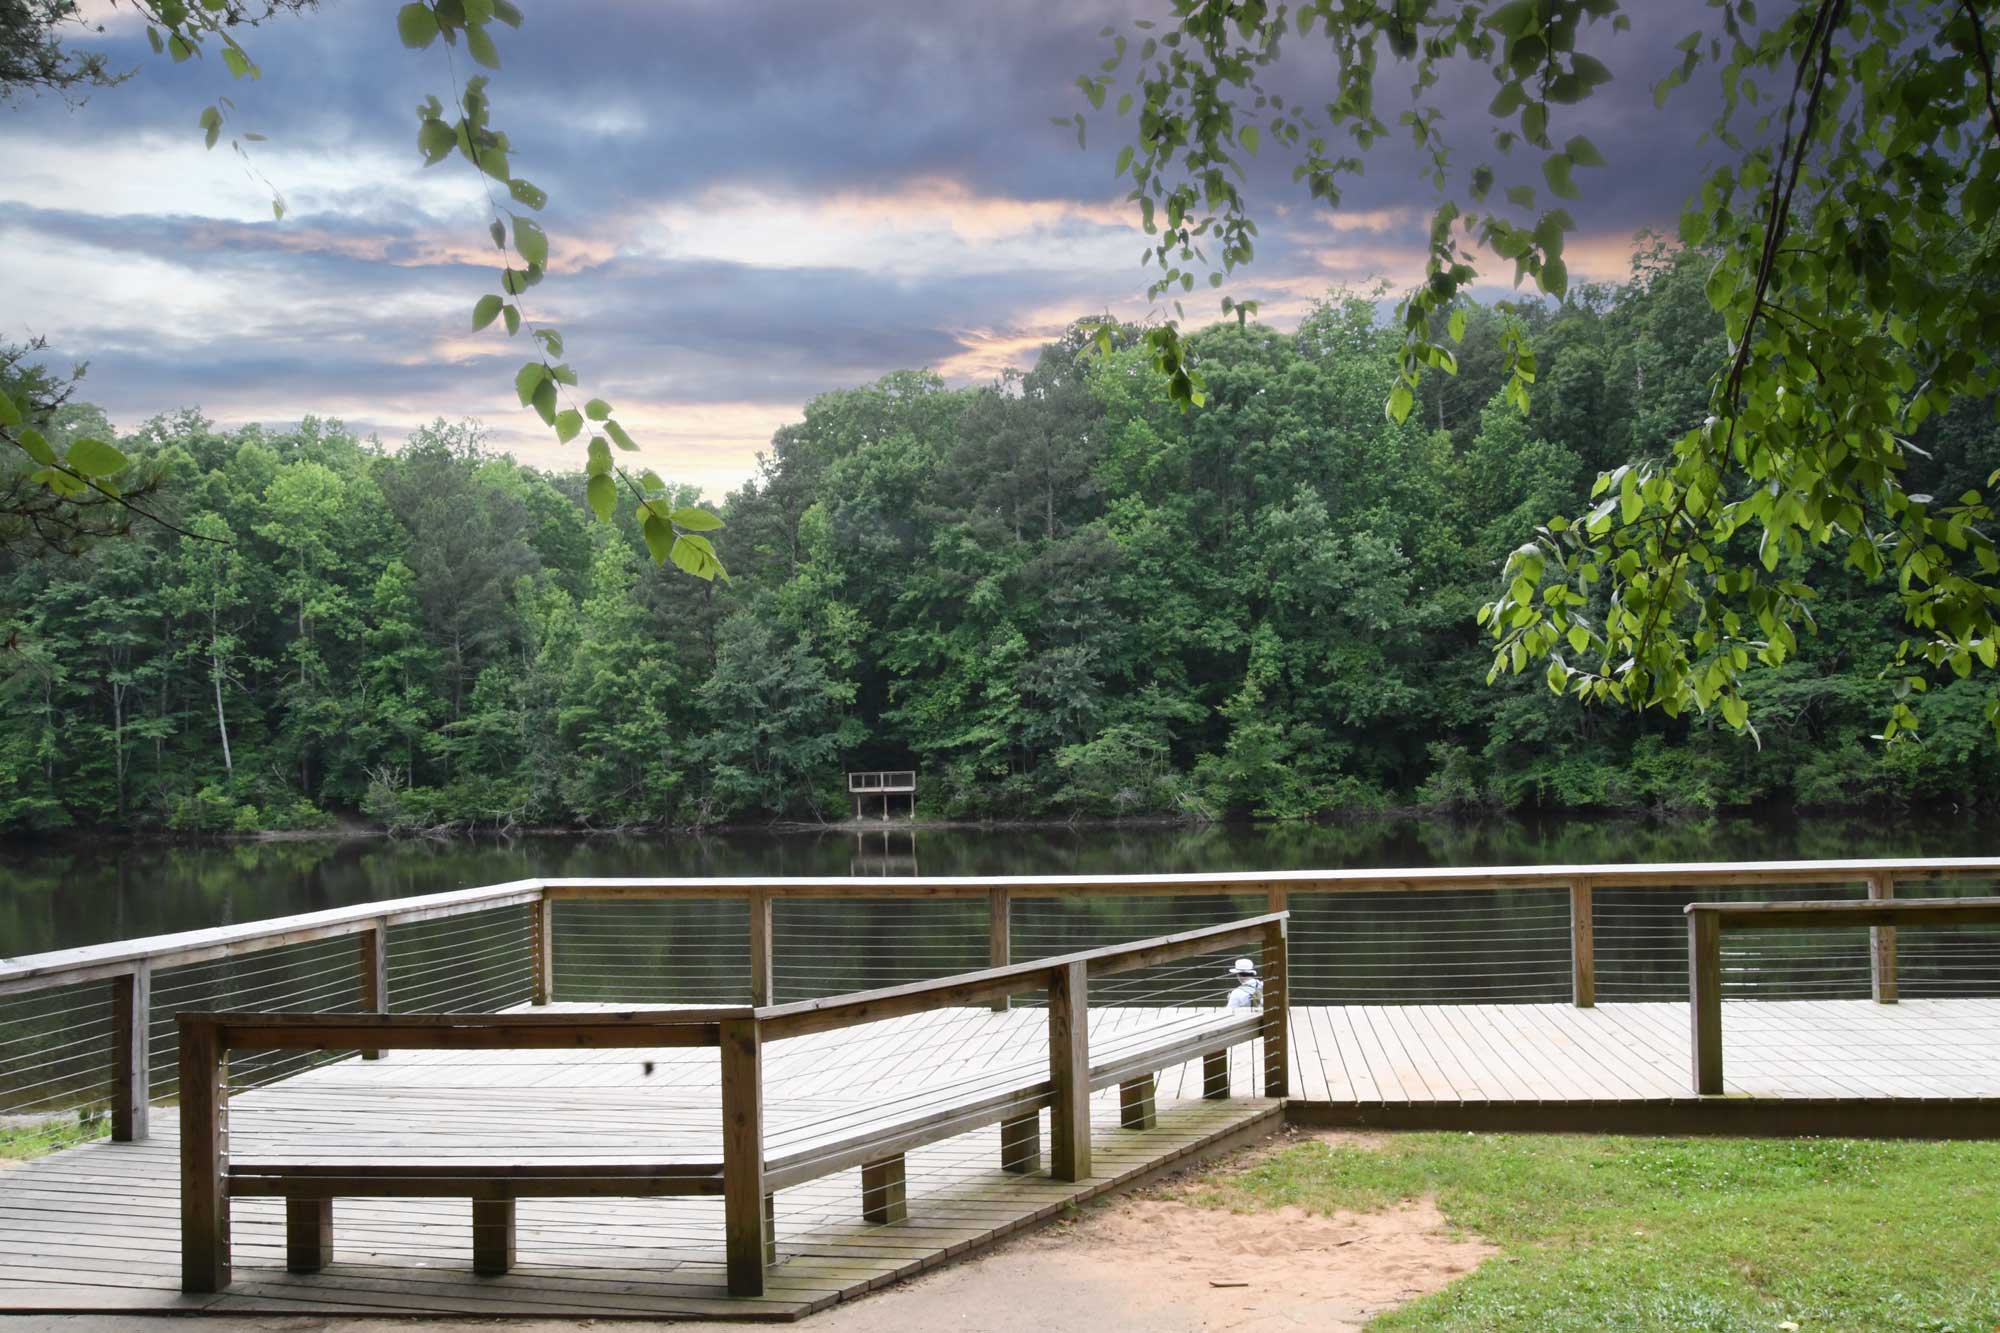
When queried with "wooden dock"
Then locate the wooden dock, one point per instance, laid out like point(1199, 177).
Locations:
point(98, 1227)
point(603, 1160)
point(1926, 1068)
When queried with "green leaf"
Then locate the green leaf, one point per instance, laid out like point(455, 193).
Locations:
point(1456, 327)
point(531, 241)
point(1535, 122)
point(545, 402)
point(10, 415)
point(95, 458)
point(1401, 400)
point(659, 537)
point(37, 446)
point(416, 25)
point(618, 436)
point(1583, 152)
point(211, 121)
point(485, 312)
point(603, 495)
point(696, 556)
point(528, 379)
point(1251, 138)
point(435, 140)
point(599, 463)
point(1555, 170)
point(481, 47)
point(597, 410)
point(696, 520)
point(513, 318)
point(527, 192)
point(1735, 711)
point(569, 423)
point(1554, 277)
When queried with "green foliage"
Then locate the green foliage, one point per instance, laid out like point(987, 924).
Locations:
point(1055, 596)
point(1851, 246)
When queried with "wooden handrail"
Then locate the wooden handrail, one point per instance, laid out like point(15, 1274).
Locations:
point(1707, 923)
point(97, 961)
point(129, 965)
point(91, 962)
point(964, 988)
point(247, 1031)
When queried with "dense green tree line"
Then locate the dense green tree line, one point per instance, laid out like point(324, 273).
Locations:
point(1055, 595)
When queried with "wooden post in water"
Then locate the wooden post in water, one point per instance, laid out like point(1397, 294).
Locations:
point(762, 976)
point(743, 1208)
point(1705, 1000)
point(1882, 944)
point(131, 1054)
point(1582, 947)
point(372, 949)
point(1000, 937)
point(204, 1094)
point(1069, 1071)
point(541, 950)
point(1277, 1012)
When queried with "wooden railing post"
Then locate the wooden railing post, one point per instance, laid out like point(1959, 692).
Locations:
point(541, 950)
point(762, 975)
point(743, 1209)
point(372, 946)
point(1582, 947)
point(1000, 937)
point(1882, 944)
point(1069, 1071)
point(204, 1097)
point(131, 1054)
point(1705, 1000)
point(1277, 1013)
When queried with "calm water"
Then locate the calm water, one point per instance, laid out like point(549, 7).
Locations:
point(56, 896)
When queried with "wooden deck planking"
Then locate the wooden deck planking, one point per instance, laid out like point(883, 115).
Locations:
point(98, 1227)
point(1849, 1050)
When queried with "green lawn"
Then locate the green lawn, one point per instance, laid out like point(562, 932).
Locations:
point(1603, 1233)
point(19, 1142)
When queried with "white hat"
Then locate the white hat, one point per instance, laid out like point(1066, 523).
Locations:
point(1244, 968)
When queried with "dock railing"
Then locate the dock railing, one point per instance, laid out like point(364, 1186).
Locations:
point(86, 1047)
point(1708, 922)
point(748, 1175)
point(886, 780)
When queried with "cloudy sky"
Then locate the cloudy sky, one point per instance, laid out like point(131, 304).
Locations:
point(752, 201)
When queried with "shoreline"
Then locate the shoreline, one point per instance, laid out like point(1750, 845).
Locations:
point(348, 829)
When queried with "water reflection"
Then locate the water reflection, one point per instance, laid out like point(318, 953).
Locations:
point(58, 895)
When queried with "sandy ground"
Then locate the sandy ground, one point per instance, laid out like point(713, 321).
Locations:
point(1144, 1264)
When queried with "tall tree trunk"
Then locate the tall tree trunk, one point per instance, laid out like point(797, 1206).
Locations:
point(221, 719)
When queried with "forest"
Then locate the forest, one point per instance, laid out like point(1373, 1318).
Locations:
point(1056, 596)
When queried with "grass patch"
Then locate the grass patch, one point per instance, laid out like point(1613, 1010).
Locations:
point(1709, 1234)
point(19, 1142)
